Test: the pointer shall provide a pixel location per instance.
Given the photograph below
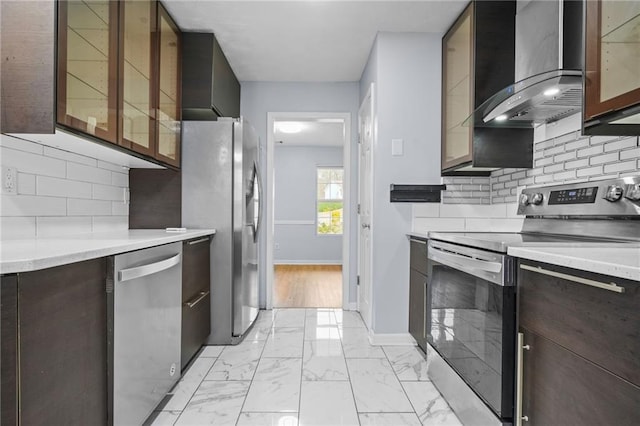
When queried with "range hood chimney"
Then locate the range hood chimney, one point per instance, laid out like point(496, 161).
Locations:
point(548, 68)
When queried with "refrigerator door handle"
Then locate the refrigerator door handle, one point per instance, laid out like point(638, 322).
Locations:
point(260, 201)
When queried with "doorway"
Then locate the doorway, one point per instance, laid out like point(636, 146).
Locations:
point(307, 223)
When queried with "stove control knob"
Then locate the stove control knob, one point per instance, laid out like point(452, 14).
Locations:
point(614, 193)
point(536, 199)
point(633, 192)
point(524, 199)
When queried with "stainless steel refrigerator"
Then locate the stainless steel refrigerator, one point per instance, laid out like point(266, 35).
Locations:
point(221, 189)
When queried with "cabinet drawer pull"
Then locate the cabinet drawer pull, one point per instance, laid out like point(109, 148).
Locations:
point(201, 240)
point(605, 286)
point(197, 299)
point(413, 240)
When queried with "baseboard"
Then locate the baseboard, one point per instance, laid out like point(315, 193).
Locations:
point(307, 262)
point(391, 339)
point(352, 307)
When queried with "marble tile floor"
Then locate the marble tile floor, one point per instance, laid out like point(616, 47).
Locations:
point(306, 367)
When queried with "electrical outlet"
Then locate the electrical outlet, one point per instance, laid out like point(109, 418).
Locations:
point(9, 180)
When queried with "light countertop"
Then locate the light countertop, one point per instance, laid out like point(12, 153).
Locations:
point(40, 253)
point(621, 260)
point(421, 235)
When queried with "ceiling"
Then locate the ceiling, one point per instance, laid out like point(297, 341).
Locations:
point(312, 132)
point(307, 40)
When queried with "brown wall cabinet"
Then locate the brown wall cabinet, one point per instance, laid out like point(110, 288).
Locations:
point(119, 75)
point(418, 291)
point(612, 77)
point(196, 296)
point(54, 352)
point(478, 60)
point(575, 336)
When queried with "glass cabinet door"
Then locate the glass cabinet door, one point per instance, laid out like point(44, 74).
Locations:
point(168, 115)
point(612, 56)
point(87, 66)
point(138, 25)
point(457, 91)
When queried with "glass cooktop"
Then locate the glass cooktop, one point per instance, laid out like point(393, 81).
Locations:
point(500, 241)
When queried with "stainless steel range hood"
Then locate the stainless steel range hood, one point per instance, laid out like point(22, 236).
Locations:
point(548, 67)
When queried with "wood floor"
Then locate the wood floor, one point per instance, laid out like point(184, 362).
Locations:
point(308, 286)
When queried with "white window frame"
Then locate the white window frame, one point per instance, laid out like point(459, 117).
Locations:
point(318, 167)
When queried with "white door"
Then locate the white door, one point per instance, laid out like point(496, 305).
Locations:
point(365, 129)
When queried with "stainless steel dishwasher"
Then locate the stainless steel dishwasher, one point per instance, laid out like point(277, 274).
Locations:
point(144, 307)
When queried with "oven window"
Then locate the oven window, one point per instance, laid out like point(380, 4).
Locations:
point(467, 327)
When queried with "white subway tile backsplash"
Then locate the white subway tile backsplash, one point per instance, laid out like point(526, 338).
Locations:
point(119, 179)
point(605, 158)
point(621, 144)
point(70, 156)
point(423, 224)
point(110, 223)
point(553, 168)
point(580, 143)
point(107, 192)
point(26, 184)
point(562, 176)
point(88, 174)
point(64, 225)
point(12, 228)
point(553, 151)
point(496, 210)
point(56, 190)
point(20, 144)
point(57, 187)
point(588, 152)
point(589, 171)
point(544, 179)
point(425, 209)
point(32, 205)
point(542, 162)
point(576, 164)
point(564, 157)
point(630, 153)
point(494, 225)
point(27, 162)
point(595, 140)
point(118, 208)
point(77, 207)
point(623, 166)
point(113, 167)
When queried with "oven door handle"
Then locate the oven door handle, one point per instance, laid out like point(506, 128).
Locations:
point(463, 262)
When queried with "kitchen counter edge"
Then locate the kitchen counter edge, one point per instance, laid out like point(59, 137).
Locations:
point(25, 255)
point(620, 262)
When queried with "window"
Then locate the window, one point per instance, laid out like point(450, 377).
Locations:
point(329, 200)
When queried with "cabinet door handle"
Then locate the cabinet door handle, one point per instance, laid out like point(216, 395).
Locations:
point(519, 384)
point(605, 286)
point(148, 269)
point(201, 240)
point(193, 302)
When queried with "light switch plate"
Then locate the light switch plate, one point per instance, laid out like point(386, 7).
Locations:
point(9, 180)
point(397, 147)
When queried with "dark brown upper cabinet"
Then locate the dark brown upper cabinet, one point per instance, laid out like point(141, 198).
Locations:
point(119, 75)
point(612, 77)
point(27, 69)
point(169, 89)
point(136, 129)
point(209, 85)
point(88, 67)
point(478, 60)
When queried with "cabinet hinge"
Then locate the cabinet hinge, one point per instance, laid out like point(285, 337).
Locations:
point(359, 137)
point(358, 208)
point(358, 280)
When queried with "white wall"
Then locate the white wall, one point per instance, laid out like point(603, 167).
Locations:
point(259, 98)
point(295, 236)
point(406, 69)
point(60, 192)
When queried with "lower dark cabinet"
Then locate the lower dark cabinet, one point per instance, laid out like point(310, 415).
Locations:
point(196, 297)
point(61, 364)
point(418, 291)
point(562, 388)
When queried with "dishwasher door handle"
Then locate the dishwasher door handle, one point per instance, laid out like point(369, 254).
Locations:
point(148, 269)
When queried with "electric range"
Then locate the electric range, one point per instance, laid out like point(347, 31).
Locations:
point(471, 288)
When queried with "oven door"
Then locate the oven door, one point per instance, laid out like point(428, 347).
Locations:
point(471, 319)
